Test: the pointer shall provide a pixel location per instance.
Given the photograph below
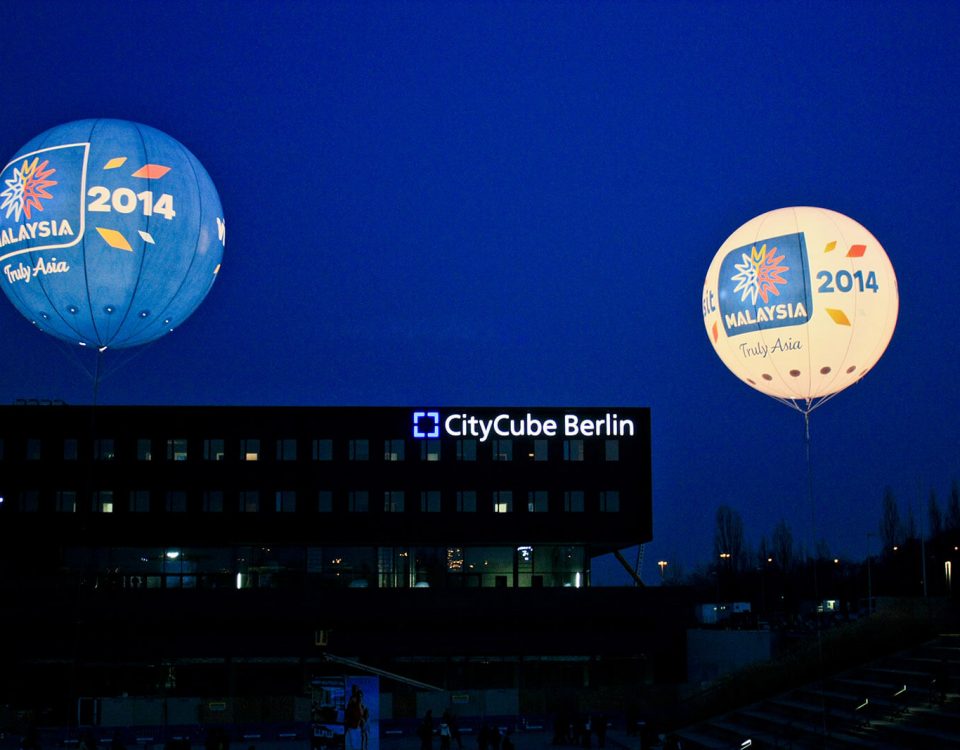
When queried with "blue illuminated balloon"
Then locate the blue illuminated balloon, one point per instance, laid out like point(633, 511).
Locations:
point(111, 233)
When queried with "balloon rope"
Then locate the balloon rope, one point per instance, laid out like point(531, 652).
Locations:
point(816, 584)
point(96, 377)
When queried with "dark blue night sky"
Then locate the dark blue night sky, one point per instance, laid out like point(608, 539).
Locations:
point(516, 203)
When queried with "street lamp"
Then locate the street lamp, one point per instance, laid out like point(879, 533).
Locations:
point(663, 564)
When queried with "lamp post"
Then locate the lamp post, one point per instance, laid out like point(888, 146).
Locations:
point(663, 564)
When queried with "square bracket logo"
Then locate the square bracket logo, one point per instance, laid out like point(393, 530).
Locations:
point(426, 424)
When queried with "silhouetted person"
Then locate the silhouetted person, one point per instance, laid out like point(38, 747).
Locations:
point(425, 731)
point(600, 729)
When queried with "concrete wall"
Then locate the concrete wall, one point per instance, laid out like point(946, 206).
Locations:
point(714, 653)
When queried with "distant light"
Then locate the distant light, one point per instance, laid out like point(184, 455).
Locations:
point(577, 580)
point(836, 560)
point(172, 554)
point(239, 580)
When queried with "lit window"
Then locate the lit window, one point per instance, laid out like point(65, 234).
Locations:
point(502, 501)
point(66, 501)
point(287, 449)
point(286, 501)
point(33, 449)
point(393, 450)
point(30, 501)
point(70, 450)
point(250, 449)
point(177, 449)
point(359, 450)
point(610, 501)
point(573, 449)
point(213, 449)
point(325, 501)
point(466, 501)
point(249, 501)
point(213, 501)
point(467, 449)
point(176, 501)
point(429, 450)
point(103, 501)
point(612, 450)
point(540, 450)
point(143, 450)
point(537, 501)
point(573, 501)
point(502, 450)
point(393, 501)
point(359, 501)
point(323, 449)
point(430, 501)
point(140, 501)
point(103, 449)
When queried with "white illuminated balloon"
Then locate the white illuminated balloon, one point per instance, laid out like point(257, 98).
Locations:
point(800, 303)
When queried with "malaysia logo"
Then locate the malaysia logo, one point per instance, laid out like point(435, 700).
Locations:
point(41, 204)
point(26, 187)
point(765, 285)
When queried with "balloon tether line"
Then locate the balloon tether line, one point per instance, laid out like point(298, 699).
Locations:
point(816, 585)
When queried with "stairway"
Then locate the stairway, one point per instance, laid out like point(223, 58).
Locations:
point(886, 704)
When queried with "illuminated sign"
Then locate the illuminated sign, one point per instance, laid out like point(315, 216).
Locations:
point(429, 424)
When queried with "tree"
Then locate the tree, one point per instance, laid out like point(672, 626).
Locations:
point(781, 544)
point(889, 522)
point(936, 518)
point(953, 508)
point(728, 537)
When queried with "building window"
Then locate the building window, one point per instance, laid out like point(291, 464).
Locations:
point(249, 501)
point(430, 501)
point(70, 449)
point(250, 449)
point(323, 449)
point(466, 449)
point(393, 501)
point(103, 449)
point(33, 449)
point(502, 501)
point(538, 501)
point(66, 501)
point(103, 501)
point(176, 501)
point(573, 449)
point(610, 501)
point(359, 501)
point(177, 449)
point(213, 500)
point(287, 449)
point(541, 451)
point(502, 449)
point(393, 450)
point(143, 450)
point(466, 501)
point(612, 450)
point(325, 501)
point(30, 501)
point(429, 450)
point(286, 501)
point(140, 501)
point(573, 501)
point(213, 449)
point(359, 450)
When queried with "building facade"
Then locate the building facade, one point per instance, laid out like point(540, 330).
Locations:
point(137, 536)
